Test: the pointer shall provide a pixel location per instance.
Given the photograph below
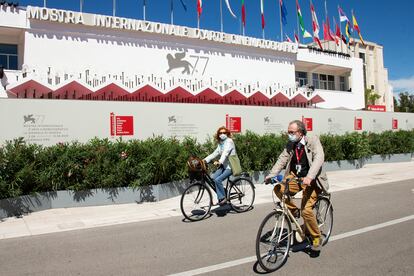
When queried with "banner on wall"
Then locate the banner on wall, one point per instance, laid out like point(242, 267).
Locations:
point(379, 108)
point(308, 123)
point(394, 124)
point(358, 123)
point(121, 125)
point(233, 124)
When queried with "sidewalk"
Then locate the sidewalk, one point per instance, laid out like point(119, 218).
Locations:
point(66, 219)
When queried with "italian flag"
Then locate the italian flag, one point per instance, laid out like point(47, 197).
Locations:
point(199, 7)
point(261, 10)
point(305, 33)
point(243, 13)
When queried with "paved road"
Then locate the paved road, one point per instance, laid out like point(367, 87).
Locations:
point(169, 246)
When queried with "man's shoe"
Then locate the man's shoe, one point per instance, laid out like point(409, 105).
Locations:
point(317, 244)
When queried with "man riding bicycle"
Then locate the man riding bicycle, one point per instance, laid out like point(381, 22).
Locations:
point(302, 157)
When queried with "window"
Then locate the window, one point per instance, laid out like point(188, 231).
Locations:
point(315, 78)
point(362, 56)
point(8, 56)
point(323, 82)
point(301, 78)
point(342, 85)
point(331, 82)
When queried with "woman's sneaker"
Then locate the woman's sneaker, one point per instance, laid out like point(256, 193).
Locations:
point(317, 244)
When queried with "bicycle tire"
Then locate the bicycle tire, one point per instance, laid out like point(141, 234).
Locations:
point(273, 241)
point(196, 202)
point(324, 215)
point(241, 194)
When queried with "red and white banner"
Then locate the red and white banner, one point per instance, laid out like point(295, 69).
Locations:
point(379, 108)
point(358, 124)
point(394, 123)
point(308, 123)
point(121, 125)
point(233, 124)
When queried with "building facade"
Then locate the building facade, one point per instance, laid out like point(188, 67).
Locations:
point(60, 54)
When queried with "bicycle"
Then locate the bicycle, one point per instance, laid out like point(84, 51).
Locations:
point(275, 235)
point(196, 200)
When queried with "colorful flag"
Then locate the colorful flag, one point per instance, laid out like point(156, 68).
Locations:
point(338, 35)
point(356, 27)
point(315, 24)
point(288, 38)
point(261, 10)
point(305, 33)
point(199, 7)
point(229, 8)
point(342, 15)
point(243, 9)
point(283, 12)
point(296, 37)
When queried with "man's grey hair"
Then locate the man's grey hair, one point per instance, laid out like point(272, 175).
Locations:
point(301, 126)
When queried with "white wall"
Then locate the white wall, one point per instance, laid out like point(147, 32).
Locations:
point(56, 121)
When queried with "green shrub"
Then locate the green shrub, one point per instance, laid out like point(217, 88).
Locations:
point(102, 163)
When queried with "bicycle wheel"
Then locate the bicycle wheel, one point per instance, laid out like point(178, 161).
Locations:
point(196, 202)
point(273, 241)
point(324, 215)
point(241, 194)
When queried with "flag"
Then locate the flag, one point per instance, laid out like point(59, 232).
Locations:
point(338, 35)
point(305, 33)
point(283, 12)
point(261, 10)
point(229, 8)
point(315, 24)
point(356, 27)
point(243, 9)
point(199, 7)
point(316, 39)
point(184, 5)
point(296, 37)
point(288, 38)
point(325, 31)
point(342, 15)
point(348, 30)
point(344, 39)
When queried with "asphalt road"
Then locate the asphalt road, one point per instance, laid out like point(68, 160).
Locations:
point(169, 246)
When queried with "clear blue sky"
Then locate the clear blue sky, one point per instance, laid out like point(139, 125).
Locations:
point(383, 22)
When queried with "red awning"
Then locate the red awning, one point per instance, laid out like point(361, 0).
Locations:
point(234, 97)
point(258, 98)
point(109, 92)
point(178, 95)
point(317, 99)
point(299, 98)
point(208, 96)
point(72, 90)
point(279, 98)
point(146, 93)
point(30, 89)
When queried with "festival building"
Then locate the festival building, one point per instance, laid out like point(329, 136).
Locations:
point(62, 54)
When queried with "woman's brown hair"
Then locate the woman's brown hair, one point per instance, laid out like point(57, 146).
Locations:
point(222, 129)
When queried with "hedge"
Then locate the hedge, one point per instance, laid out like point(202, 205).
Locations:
point(101, 163)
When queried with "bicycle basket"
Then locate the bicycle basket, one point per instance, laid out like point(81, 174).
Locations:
point(196, 167)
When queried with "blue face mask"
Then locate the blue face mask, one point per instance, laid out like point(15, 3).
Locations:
point(223, 137)
point(292, 138)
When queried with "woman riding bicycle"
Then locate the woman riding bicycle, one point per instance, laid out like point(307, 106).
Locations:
point(224, 149)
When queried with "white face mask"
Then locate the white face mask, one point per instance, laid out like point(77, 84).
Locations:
point(292, 138)
point(223, 137)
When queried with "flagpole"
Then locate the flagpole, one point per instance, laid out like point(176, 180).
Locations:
point(221, 15)
point(352, 11)
point(336, 45)
point(281, 27)
point(44, 3)
point(340, 29)
point(172, 11)
point(144, 5)
point(297, 19)
point(113, 7)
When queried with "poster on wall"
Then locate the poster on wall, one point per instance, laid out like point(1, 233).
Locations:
point(308, 123)
point(121, 125)
point(394, 124)
point(233, 124)
point(357, 123)
point(379, 108)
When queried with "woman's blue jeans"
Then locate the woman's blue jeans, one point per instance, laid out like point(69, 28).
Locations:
point(219, 176)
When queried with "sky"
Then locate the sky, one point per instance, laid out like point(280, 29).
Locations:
point(381, 21)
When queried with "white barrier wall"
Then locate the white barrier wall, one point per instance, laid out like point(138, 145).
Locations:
point(52, 121)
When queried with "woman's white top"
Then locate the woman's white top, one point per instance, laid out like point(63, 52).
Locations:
point(224, 149)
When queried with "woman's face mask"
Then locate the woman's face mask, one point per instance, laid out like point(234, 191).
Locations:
point(223, 136)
